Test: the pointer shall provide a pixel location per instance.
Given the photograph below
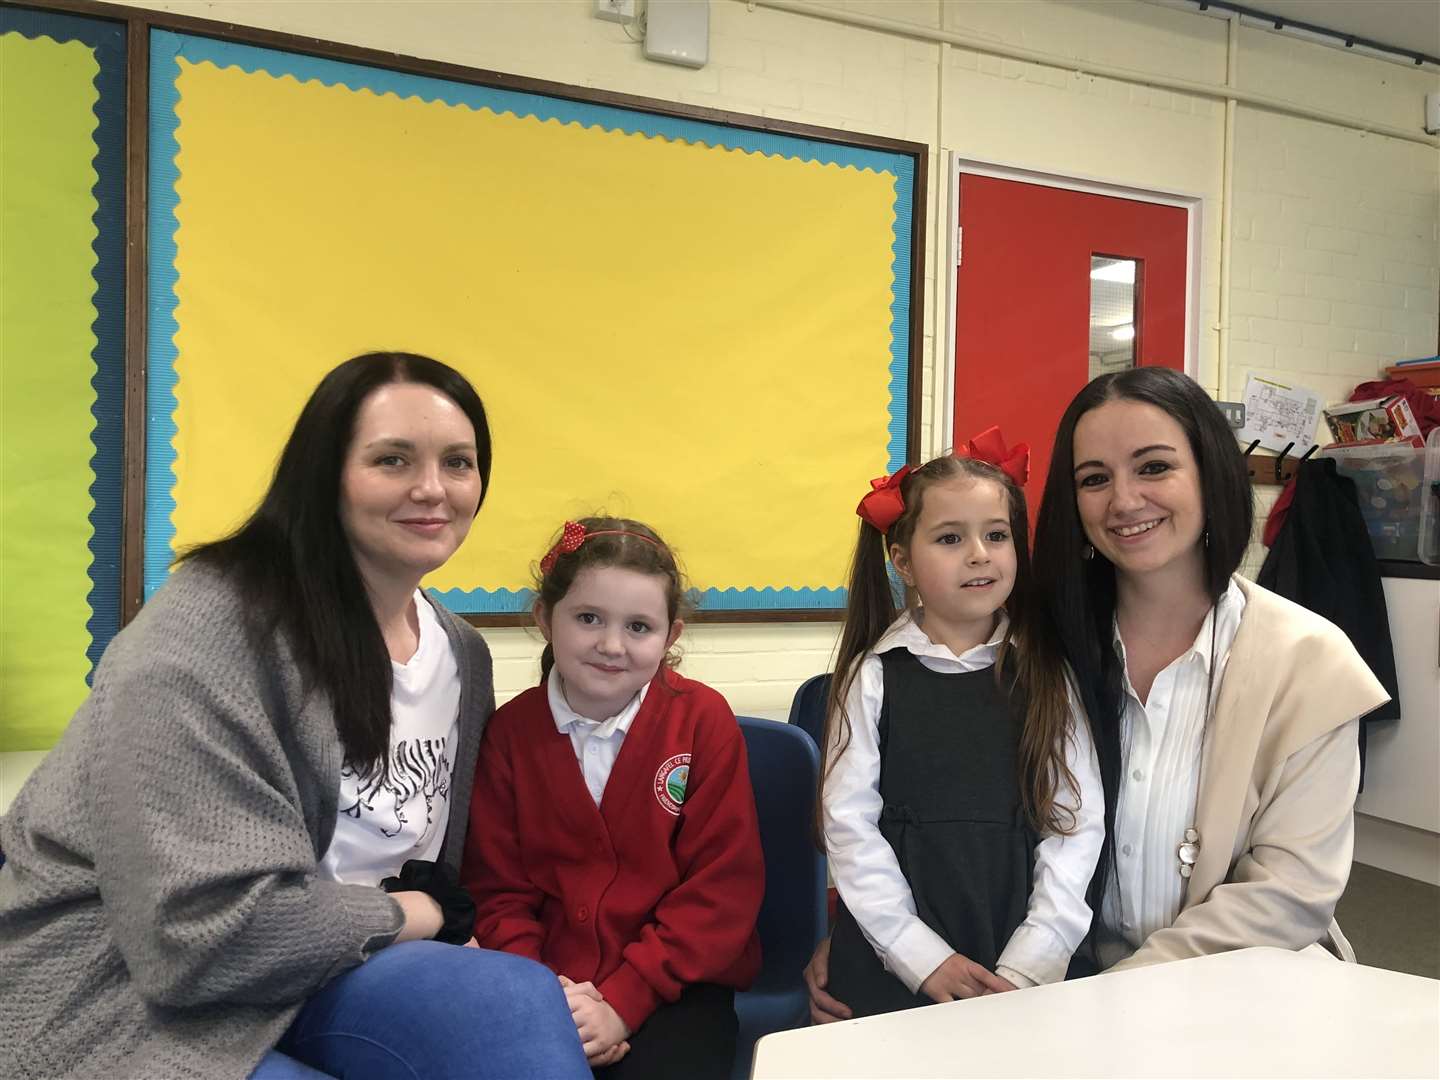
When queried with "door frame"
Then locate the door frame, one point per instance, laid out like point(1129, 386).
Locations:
point(1191, 203)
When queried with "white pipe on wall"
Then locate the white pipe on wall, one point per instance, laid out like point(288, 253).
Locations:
point(1085, 67)
point(943, 344)
point(1227, 212)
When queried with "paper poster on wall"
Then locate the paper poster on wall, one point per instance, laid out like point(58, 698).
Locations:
point(697, 325)
point(61, 377)
point(1278, 414)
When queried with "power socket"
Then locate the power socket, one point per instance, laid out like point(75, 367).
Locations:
point(621, 11)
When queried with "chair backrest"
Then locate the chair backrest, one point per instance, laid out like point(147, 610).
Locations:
point(807, 711)
point(784, 770)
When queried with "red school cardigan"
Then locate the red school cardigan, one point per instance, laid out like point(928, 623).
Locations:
point(656, 888)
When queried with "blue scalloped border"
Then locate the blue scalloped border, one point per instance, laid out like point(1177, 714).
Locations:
point(165, 49)
point(160, 351)
point(107, 41)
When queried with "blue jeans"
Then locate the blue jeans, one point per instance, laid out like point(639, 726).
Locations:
point(427, 1011)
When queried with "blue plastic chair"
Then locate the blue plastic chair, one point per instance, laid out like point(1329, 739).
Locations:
point(807, 711)
point(784, 769)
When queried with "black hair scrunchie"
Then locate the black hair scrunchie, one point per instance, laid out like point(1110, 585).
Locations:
point(438, 881)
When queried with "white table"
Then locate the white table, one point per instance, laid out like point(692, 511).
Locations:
point(1256, 1012)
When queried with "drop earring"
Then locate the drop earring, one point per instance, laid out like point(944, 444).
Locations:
point(1087, 552)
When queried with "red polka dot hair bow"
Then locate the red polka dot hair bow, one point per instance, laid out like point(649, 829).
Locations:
point(989, 447)
point(884, 504)
point(574, 534)
point(571, 537)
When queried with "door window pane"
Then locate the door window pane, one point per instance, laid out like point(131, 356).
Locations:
point(1114, 292)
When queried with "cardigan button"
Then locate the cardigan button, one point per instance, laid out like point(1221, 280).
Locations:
point(582, 913)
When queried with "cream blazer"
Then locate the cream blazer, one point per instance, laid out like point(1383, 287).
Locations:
point(1265, 876)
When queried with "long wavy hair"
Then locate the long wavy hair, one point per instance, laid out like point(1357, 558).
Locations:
point(1078, 593)
point(872, 607)
point(293, 563)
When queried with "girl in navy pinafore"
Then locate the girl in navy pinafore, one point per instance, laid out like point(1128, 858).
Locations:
point(961, 804)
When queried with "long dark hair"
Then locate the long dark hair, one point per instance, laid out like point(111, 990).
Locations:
point(871, 608)
point(293, 564)
point(1079, 593)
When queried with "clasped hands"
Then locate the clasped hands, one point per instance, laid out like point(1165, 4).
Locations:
point(603, 1035)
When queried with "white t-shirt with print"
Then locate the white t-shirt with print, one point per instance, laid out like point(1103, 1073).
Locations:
point(383, 821)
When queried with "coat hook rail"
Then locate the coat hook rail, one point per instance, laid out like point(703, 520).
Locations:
point(1279, 469)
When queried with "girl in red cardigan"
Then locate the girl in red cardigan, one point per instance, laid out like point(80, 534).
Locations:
point(613, 830)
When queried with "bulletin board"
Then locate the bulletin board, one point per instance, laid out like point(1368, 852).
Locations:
point(62, 320)
point(698, 323)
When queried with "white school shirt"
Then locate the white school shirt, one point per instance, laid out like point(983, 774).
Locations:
point(384, 821)
point(1162, 744)
point(868, 874)
point(596, 742)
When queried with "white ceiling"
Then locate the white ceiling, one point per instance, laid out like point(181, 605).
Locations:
point(1403, 24)
point(1406, 24)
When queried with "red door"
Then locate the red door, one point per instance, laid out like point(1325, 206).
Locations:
point(1041, 275)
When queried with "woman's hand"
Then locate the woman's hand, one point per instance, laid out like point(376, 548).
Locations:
point(824, 1009)
point(423, 917)
point(961, 977)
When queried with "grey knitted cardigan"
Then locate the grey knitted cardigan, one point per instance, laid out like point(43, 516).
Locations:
point(160, 911)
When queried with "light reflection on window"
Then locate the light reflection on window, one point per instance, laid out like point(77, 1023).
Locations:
point(1114, 306)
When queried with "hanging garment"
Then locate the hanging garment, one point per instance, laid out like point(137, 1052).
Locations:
point(1322, 559)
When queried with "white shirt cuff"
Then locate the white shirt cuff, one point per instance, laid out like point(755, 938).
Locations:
point(917, 952)
point(1037, 954)
point(1020, 982)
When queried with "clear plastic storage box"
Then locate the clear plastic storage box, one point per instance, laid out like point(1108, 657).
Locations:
point(1390, 484)
point(1430, 502)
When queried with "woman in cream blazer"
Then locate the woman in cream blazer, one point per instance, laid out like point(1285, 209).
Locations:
point(1225, 717)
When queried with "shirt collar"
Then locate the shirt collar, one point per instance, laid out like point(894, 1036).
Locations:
point(906, 633)
point(567, 718)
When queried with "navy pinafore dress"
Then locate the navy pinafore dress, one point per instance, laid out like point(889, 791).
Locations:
point(949, 778)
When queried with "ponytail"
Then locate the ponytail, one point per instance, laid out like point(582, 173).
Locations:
point(869, 609)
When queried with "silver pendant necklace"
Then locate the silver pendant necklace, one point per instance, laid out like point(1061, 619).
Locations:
point(1188, 851)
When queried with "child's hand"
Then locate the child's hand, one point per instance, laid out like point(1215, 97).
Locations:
point(961, 977)
point(575, 990)
point(609, 1057)
point(601, 1029)
point(824, 1009)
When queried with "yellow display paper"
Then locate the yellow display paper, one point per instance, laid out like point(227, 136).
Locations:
point(627, 307)
point(46, 309)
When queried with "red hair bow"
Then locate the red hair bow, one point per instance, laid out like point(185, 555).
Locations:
point(883, 505)
point(574, 534)
point(989, 447)
point(571, 537)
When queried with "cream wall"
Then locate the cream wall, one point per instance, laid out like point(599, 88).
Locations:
point(1335, 258)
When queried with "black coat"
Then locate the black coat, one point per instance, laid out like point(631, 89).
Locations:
point(1323, 560)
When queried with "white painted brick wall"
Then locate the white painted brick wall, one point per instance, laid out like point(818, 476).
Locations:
point(1343, 280)
point(1336, 263)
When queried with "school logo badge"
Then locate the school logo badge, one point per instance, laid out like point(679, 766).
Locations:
point(670, 780)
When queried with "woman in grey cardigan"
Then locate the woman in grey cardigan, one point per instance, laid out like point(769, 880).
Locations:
point(238, 858)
